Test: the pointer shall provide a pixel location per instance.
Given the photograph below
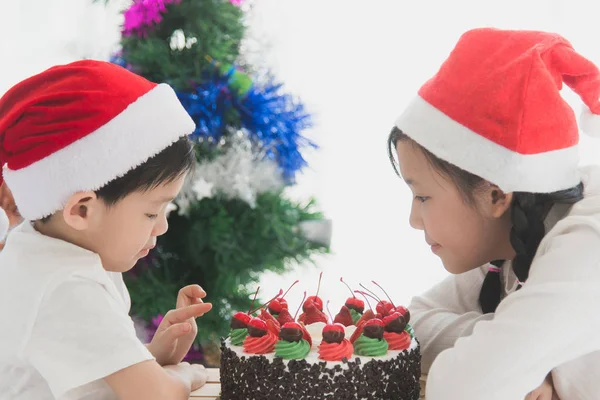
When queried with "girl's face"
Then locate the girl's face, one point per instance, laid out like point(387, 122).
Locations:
point(464, 235)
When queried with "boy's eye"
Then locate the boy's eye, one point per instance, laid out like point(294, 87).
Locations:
point(422, 199)
point(152, 216)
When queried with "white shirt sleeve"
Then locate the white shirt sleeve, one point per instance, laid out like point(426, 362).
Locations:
point(553, 319)
point(82, 333)
point(446, 312)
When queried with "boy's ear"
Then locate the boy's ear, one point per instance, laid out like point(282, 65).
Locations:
point(80, 209)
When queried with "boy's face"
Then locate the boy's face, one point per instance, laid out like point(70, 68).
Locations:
point(127, 231)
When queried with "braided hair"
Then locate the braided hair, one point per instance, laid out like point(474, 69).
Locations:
point(527, 210)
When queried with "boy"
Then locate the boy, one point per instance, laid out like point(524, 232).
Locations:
point(93, 154)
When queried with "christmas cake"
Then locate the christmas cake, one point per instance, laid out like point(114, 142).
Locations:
point(357, 354)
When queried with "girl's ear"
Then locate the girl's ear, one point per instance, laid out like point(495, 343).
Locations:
point(499, 202)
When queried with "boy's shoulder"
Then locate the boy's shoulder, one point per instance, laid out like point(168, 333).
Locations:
point(44, 264)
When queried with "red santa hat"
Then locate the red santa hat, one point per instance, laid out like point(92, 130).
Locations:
point(494, 109)
point(77, 127)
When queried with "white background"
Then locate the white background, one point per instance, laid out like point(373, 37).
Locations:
point(356, 65)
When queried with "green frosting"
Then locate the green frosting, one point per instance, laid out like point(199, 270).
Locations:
point(365, 346)
point(410, 331)
point(355, 315)
point(292, 350)
point(238, 336)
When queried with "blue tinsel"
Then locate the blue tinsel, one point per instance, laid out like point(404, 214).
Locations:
point(274, 120)
point(207, 106)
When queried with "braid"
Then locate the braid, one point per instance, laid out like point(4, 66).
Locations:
point(527, 212)
point(491, 289)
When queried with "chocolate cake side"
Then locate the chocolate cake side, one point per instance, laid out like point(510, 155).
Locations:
point(258, 378)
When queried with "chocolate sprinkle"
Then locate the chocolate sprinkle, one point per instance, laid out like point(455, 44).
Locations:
point(257, 378)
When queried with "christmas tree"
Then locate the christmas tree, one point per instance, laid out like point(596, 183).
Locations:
point(232, 220)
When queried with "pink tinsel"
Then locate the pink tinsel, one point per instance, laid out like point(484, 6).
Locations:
point(144, 14)
point(236, 2)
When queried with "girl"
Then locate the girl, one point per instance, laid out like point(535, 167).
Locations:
point(489, 150)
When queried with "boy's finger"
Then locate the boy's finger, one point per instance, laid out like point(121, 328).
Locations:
point(193, 291)
point(190, 294)
point(176, 331)
point(182, 314)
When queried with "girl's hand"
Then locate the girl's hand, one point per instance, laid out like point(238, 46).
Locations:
point(177, 331)
point(544, 392)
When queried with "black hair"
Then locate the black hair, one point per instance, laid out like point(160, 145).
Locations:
point(527, 211)
point(165, 167)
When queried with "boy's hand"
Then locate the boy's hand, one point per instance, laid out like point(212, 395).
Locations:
point(195, 374)
point(544, 392)
point(178, 329)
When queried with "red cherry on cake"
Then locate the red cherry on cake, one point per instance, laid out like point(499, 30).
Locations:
point(334, 333)
point(405, 313)
point(374, 322)
point(389, 318)
point(356, 304)
point(278, 305)
point(353, 302)
point(291, 325)
point(394, 322)
point(257, 327)
point(257, 323)
point(334, 328)
point(240, 320)
point(374, 328)
point(291, 332)
point(384, 307)
point(313, 301)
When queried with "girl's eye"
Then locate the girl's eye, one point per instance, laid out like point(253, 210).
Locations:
point(422, 199)
point(152, 216)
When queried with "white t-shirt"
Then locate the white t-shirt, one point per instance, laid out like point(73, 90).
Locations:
point(551, 325)
point(64, 320)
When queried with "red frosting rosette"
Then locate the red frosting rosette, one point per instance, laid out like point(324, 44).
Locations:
point(397, 341)
point(260, 345)
point(336, 351)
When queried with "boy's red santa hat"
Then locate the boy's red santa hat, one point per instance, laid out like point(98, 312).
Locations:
point(494, 109)
point(77, 127)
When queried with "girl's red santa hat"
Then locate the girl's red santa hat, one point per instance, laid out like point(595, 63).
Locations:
point(76, 127)
point(494, 109)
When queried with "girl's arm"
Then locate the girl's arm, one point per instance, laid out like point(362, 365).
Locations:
point(551, 320)
point(446, 312)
